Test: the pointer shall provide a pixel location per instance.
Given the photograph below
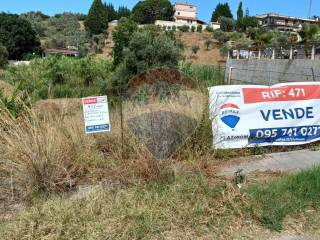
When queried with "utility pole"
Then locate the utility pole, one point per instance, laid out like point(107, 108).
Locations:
point(310, 7)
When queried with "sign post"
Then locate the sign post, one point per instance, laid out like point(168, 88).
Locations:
point(96, 114)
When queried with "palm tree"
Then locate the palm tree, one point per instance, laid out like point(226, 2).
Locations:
point(263, 40)
point(310, 35)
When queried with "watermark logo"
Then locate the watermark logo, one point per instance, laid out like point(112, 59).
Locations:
point(230, 114)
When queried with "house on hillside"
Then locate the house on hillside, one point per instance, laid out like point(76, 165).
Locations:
point(185, 13)
point(276, 22)
point(62, 51)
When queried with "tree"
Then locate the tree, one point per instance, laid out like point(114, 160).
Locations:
point(208, 43)
point(199, 28)
point(38, 21)
point(97, 19)
point(310, 35)
point(247, 12)
point(3, 56)
point(226, 24)
point(221, 10)
point(195, 49)
point(148, 11)
point(221, 36)
point(184, 28)
point(209, 28)
point(123, 12)
point(121, 37)
point(240, 11)
point(149, 48)
point(65, 30)
point(244, 23)
point(151, 41)
point(110, 12)
point(17, 36)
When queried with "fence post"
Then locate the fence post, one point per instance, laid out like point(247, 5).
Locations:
point(273, 54)
point(313, 52)
point(313, 77)
point(229, 76)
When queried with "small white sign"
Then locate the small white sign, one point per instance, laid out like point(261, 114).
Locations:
point(96, 114)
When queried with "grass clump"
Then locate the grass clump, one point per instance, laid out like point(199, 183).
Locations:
point(272, 203)
point(37, 156)
point(205, 76)
point(183, 209)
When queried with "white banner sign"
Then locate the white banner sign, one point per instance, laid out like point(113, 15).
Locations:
point(250, 115)
point(96, 114)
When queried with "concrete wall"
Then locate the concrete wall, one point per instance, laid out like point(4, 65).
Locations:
point(269, 72)
point(170, 24)
point(177, 24)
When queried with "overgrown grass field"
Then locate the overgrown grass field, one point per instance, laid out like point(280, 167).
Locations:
point(46, 156)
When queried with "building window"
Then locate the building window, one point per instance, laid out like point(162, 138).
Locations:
point(178, 13)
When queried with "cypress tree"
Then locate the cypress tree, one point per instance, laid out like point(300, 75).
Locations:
point(247, 12)
point(97, 19)
point(221, 10)
point(111, 12)
point(240, 11)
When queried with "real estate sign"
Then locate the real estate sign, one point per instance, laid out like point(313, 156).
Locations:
point(250, 115)
point(96, 114)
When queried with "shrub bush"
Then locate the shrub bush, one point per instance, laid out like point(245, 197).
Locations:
point(3, 56)
point(184, 28)
point(199, 28)
point(60, 77)
point(209, 29)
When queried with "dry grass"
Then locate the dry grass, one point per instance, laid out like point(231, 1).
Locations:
point(204, 56)
point(36, 155)
point(187, 208)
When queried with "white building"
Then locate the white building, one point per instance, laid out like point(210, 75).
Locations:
point(185, 13)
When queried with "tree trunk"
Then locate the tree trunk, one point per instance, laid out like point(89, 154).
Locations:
point(273, 54)
point(238, 54)
point(259, 54)
point(313, 51)
point(291, 53)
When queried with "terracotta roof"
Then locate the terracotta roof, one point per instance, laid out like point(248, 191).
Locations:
point(185, 4)
point(186, 18)
point(62, 51)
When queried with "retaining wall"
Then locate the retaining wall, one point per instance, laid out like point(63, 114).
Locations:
point(269, 72)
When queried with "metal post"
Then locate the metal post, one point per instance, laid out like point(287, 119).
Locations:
point(229, 76)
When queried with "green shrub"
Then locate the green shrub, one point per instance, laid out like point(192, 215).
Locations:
point(209, 29)
point(193, 28)
point(3, 56)
point(184, 28)
point(59, 77)
point(195, 49)
point(199, 28)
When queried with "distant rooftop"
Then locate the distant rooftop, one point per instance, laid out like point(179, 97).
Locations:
point(185, 4)
point(274, 14)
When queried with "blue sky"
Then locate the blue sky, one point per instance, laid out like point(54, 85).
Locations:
point(297, 8)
